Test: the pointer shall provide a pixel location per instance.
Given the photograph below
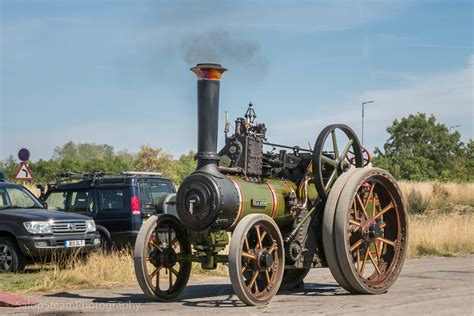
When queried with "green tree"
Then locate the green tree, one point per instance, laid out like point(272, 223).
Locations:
point(185, 165)
point(10, 167)
point(419, 149)
point(83, 151)
point(156, 160)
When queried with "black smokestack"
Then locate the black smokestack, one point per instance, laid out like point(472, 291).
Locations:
point(208, 84)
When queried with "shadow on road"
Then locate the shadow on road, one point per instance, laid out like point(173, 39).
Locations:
point(206, 295)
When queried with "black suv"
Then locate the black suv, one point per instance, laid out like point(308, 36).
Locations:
point(119, 204)
point(29, 232)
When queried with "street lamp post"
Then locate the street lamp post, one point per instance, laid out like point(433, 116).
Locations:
point(454, 126)
point(363, 104)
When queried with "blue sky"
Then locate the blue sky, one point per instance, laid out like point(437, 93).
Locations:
point(117, 72)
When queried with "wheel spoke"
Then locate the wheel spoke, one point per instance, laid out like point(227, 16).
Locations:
point(358, 260)
point(368, 197)
point(157, 270)
point(386, 241)
point(362, 206)
point(346, 149)
point(174, 271)
point(248, 255)
point(377, 251)
point(357, 244)
point(173, 241)
point(170, 278)
point(273, 247)
point(267, 274)
point(361, 273)
point(356, 213)
point(332, 178)
point(244, 268)
point(253, 280)
point(263, 236)
point(154, 244)
point(385, 210)
point(334, 143)
point(356, 223)
point(259, 237)
point(246, 241)
point(373, 262)
point(329, 161)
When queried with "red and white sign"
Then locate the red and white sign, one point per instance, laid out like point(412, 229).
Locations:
point(24, 173)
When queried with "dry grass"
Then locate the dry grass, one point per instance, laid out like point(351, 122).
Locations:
point(441, 235)
point(98, 271)
point(440, 197)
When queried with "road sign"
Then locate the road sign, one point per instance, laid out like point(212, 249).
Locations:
point(23, 154)
point(24, 173)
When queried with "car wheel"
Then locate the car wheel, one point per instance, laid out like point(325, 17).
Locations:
point(11, 259)
point(105, 242)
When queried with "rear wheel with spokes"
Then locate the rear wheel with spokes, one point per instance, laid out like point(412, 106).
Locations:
point(371, 231)
point(256, 259)
point(160, 271)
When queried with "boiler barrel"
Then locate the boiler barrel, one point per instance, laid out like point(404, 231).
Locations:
point(206, 201)
point(264, 198)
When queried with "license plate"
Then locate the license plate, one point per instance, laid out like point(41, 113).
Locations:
point(74, 243)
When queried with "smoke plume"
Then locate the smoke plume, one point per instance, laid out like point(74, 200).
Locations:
point(219, 46)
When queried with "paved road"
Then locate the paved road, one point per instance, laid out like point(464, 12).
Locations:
point(439, 286)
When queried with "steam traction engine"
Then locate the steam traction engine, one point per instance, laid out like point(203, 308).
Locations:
point(287, 212)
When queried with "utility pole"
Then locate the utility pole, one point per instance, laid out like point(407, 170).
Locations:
point(363, 105)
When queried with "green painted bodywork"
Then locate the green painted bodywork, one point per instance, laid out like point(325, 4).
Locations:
point(258, 199)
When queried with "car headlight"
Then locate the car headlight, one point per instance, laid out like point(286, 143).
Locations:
point(90, 226)
point(38, 227)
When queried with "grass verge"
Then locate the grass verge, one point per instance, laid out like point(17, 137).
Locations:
point(99, 270)
point(441, 235)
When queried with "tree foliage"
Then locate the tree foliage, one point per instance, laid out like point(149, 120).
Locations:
point(420, 149)
point(87, 157)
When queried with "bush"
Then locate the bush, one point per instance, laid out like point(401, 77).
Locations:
point(417, 203)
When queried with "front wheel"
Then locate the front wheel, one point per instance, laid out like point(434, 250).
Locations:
point(11, 258)
point(159, 250)
point(256, 259)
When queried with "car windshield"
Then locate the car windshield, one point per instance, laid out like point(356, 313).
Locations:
point(12, 197)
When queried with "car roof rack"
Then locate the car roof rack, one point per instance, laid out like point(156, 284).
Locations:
point(67, 176)
point(141, 173)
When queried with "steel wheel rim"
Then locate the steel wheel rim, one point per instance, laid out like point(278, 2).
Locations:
point(6, 258)
point(376, 239)
point(162, 264)
point(259, 280)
